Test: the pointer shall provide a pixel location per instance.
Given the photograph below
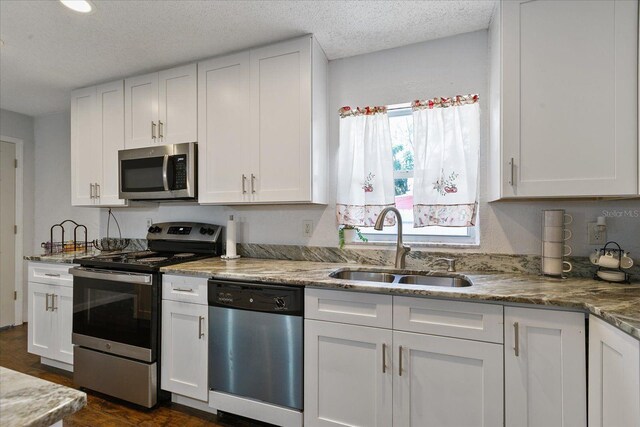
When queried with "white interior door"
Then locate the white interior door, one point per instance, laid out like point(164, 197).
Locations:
point(223, 129)
point(110, 131)
point(545, 368)
point(141, 111)
point(281, 121)
point(85, 147)
point(7, 233)
point(446, 382)
point(178, 106)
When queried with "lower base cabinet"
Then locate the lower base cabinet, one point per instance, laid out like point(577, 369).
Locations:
point(614, 376)
point(545, 368)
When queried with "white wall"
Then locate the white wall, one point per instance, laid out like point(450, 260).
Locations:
point(445, 67)
point(19, 126)
point(53, 181)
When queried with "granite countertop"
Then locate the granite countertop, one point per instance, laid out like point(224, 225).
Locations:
point(28, 401)
point(618, 304)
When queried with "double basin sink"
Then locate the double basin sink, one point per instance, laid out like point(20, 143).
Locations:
point(386, 276)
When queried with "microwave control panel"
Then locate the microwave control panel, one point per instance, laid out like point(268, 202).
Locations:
point(180, 167)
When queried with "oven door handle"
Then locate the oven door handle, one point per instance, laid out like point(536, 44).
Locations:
point(165, 166)
point(113, 276)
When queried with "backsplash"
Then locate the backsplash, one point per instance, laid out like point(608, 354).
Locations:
point(465, 261)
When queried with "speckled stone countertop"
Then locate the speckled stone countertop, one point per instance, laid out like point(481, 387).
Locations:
point(28, 401)
point(618, 304)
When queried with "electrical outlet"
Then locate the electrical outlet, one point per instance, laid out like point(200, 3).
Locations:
point(307, 228)
point(595, 236)
point(149, 222)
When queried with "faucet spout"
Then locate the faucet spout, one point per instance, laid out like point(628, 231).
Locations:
point(401, 249)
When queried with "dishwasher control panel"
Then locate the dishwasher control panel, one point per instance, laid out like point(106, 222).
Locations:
point(256, 297)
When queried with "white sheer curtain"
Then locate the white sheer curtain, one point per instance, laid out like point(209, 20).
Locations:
point(446, 139)
point(365, 167)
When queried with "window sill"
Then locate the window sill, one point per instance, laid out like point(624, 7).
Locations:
point(414, 245)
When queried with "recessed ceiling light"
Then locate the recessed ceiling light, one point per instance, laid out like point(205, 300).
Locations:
point(80, 6)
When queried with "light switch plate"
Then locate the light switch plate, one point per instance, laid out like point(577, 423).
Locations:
point(595, 236)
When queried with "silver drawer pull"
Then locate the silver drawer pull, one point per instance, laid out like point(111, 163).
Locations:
point(52, 274)
point(384, 357)
point(200, 332)
point(183, 289)
point(46, 302)
point(400, 361)
point(54, 299)
point(516, 339)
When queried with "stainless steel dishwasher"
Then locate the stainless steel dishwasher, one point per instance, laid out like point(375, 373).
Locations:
point(256, 350)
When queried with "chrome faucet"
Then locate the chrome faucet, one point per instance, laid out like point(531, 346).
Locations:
point(451, 263)
point(401, 249)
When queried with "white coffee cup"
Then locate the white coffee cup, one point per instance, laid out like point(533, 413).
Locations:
point(555, 249)
point(626, 261)
point(556, 234)
point(555, 266)
point(609, 260)
point(556, 218)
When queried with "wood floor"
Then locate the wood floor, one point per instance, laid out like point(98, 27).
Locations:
point(100, 410)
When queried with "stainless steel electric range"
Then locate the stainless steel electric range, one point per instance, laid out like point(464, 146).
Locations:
point(116, 310)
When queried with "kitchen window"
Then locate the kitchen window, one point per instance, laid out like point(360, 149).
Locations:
point(401, 127)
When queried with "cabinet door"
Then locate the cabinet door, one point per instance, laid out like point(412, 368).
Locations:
point(545, 371)
point(41, 327)
point(559, 58)
point(614, 376)
point(62, 309)
point(85, 164)
point(178, 106)
point(446, 382)
point(110, 131)
point(141, 110)
point(223, 130)
point(348, 375)
point(281, 122)
point(184, 349)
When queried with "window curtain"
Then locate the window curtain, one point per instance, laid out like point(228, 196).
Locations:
point(365, 167)
point(446, 139)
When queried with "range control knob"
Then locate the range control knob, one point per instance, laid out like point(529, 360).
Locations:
point(157, 229)
point(150, 230)
point(203, 230)
point(210, 231)
point(280, 302)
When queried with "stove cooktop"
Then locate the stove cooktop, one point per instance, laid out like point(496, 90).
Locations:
point(140, 261)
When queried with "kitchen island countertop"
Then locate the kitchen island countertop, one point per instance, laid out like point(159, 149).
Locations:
point(616, 303)
point(27, 401)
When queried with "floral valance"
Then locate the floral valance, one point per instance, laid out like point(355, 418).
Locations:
point(359, 111)
point(445, 102)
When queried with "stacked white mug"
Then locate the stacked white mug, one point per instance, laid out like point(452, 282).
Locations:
point(554, 246)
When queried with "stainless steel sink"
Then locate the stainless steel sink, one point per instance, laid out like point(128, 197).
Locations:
point(400, 277)
point(452, 282)
point(366, 276)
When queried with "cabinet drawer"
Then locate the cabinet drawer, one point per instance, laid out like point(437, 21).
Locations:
point(468, 320)
point(52, 274)
point(184, 288)
point(356, 308)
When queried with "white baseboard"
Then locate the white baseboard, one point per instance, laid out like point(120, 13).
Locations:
point(255, 409)
point(56, 364)
point(192, 403)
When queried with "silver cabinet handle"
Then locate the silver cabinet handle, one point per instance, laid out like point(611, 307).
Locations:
point(153, 130)
point(253, 180)
point(54, 299)
point(244, 180)
point(400, 361)
point(511, 178)
point(46, 302)
point(384, 357)
point(182, 289)
point(200, 332)
point(516, 340)
point(52, 274)
point(97, 190)
point(91, 195)
point(160, 131)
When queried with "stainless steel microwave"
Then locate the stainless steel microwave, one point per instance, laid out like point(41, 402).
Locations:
point(160, 172)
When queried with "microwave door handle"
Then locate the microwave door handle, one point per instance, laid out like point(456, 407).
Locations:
point(165, 165)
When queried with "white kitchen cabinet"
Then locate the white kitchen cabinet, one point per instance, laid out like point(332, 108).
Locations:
point(614, 376)
point(564, 99)
point(264, 113)
point(348, 375)
point(184, 349)
point(97, 133)
point(446, 382)
point(50, 314)
point(161, 108)
point(545, 368)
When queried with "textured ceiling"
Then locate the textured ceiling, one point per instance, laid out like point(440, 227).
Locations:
point(49, 50)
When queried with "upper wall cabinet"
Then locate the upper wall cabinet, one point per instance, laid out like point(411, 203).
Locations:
point(161, 108)
point(564, 99)
point(97, 133)
point(262, 125)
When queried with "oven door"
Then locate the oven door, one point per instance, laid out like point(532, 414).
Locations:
point(116, 312)
point(159, 172)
